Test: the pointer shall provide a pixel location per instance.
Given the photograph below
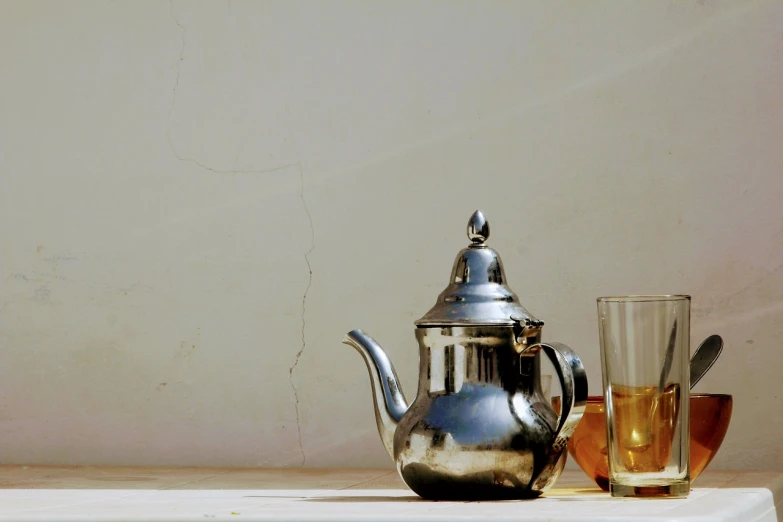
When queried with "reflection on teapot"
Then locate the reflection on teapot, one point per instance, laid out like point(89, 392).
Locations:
point(480, 426)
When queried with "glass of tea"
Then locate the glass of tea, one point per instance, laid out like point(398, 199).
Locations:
point(645, 367)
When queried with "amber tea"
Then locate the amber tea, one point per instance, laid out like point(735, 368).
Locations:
point(644, 423)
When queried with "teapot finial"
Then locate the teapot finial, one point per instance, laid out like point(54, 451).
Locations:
point(478, 229)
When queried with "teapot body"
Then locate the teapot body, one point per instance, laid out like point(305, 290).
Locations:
point(480, 426)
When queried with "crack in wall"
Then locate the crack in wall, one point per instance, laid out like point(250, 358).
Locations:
point(256, 171)
point(171, 113)
point(304, 309)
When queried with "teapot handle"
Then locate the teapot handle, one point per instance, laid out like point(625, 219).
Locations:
point(573, 382)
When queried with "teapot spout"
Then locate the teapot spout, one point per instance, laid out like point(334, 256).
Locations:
point(390, 404)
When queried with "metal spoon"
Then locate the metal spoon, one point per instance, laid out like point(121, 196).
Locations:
point(667, 366)
point(704, 357)
point(702, 360)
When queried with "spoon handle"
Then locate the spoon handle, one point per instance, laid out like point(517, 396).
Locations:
point(667, 362)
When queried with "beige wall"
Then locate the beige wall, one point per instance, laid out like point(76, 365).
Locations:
point(170, 174)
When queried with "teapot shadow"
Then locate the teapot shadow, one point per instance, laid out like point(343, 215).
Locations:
point(367, 499)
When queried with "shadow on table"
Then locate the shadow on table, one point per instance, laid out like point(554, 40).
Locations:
point(379, 498)
point(366, 498)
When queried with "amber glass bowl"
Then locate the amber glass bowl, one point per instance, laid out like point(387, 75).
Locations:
point(710, 416)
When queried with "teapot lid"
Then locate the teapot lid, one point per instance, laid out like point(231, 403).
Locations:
point(477, 293)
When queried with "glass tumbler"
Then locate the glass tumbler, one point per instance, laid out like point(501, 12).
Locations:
point(645, 367)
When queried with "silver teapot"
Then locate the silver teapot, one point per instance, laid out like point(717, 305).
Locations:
point(480, 426)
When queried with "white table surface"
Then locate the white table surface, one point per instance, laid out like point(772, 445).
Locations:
point(244, 495)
